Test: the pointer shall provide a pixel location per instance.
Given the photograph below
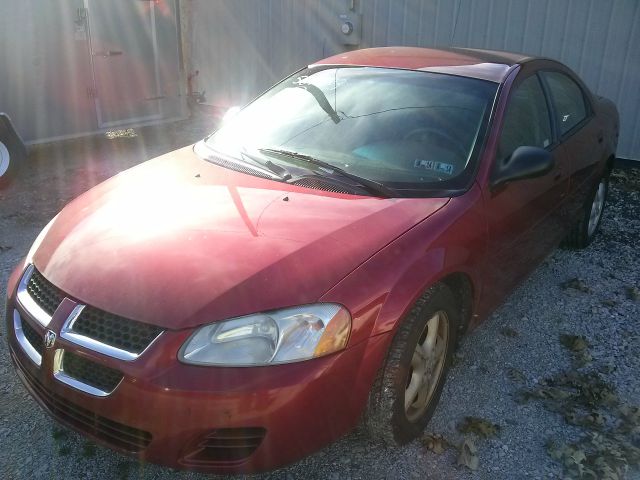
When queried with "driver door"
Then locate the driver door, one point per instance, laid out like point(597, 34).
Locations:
point(523, 216)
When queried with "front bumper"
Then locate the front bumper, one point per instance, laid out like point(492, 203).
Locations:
point(228, 420)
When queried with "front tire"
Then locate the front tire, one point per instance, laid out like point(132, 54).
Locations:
point(584, 231)
point(408, 386)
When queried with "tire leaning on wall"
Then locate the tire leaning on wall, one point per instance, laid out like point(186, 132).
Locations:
point(12, 151)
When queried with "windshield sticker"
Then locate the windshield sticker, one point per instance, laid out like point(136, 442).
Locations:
point(436, 166)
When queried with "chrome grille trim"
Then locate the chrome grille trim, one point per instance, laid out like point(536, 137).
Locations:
point(28, 303)
point(31, 352)
point(31, 307)
point(60, 375)
point(87, 342)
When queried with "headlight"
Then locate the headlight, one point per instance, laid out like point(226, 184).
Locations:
point(282, 336)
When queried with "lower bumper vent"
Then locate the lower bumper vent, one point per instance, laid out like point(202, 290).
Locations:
point(226, 445)
point(90, 373)
point(33, 337)
point(118, 435)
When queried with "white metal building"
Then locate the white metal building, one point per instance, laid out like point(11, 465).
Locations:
point(69, 67)
point(241, 47)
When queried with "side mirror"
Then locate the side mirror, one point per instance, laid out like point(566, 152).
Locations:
point(524, 162)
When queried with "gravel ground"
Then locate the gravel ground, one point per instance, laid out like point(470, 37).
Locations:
point(517, 347)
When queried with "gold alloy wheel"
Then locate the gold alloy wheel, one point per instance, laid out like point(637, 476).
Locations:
point(427, 365)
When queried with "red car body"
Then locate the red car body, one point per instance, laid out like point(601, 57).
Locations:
point(178, 242)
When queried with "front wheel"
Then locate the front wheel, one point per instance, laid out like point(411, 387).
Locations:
point(585, 229)
point(409, 385)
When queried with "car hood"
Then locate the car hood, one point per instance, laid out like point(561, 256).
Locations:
point(178, 241)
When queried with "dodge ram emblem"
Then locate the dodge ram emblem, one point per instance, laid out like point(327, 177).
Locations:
point(49, 339)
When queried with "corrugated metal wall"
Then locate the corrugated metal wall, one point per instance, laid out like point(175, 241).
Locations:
point(243, 46)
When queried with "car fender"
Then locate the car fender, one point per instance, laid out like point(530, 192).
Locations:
point(383, 290)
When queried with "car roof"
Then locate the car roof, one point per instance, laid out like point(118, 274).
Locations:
point(489, 65)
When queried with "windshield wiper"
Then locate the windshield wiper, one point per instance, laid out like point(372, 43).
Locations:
point(371, 185)
point(321, 99)
point(278, 170)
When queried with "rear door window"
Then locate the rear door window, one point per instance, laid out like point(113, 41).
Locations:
point(568, 100)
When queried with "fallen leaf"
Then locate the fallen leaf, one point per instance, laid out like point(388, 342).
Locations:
point(583, 358)
point(619, 175)
point(479, 426)
point(521, 396)
point(576, 284)
point(509, 332)
point(574, 343)
point(457, 359)
point(555, 449)
point(633, 293)
point(435, 443)
point(552, 393)
point(516, 375)
point(607, 368)
point(610, 446)
point(468, 455)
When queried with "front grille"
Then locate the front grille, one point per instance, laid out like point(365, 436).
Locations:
point(33, 337)
point(318, 184)
point(44, 293)
point(111, 329)
point(90, 373)
point(116, 434)
point(226, 445)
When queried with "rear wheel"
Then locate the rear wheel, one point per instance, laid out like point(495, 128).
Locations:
point(409, 385)
point(585, 229)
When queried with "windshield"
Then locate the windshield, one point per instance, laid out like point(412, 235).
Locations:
point(401, 128)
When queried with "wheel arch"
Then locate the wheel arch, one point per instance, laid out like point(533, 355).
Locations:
point(462, 287)
point(610, 162)
point(460, 279)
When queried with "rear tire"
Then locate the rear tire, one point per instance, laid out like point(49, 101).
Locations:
point(408, 387)
point(584, 231)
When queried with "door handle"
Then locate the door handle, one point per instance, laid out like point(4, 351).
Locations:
point(107, 53)
point(600, 137)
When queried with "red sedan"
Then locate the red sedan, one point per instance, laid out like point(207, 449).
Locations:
point(238, 304)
